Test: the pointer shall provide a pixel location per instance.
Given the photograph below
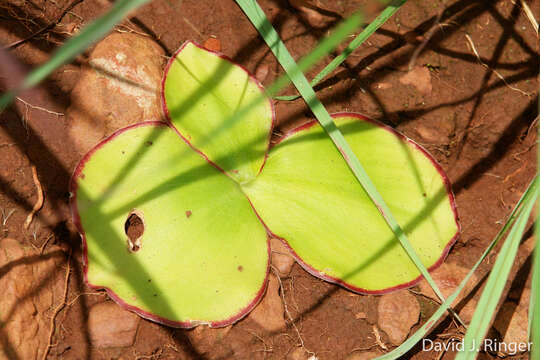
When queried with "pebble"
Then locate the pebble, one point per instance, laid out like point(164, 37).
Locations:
point(420, 78)
point(119, 86)
point(110, 326)
point(512, 323)
point(30, 289)
point(269, 314)
point(398, 313)
point(363, 355)
point(282, 258)
point(447, 277)
point(204, 338)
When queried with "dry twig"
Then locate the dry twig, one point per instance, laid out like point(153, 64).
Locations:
point(378, 338)
point(45, 244)
point(46, 28)
point(39, 108)
point(39, 201)
point(530, 16)
point(427, 37)
point(267, 349)
point(282, 288)
point(58, 308)
point(154, 355)
point(72, 301)
point(473, 48)
point(6, 216)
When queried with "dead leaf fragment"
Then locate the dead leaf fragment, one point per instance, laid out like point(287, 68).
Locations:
point(213, 44)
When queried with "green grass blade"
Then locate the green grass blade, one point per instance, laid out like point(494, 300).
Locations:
point(74, 46)
point(428, 326)
point(534, 286)
point(271, 37)
point(323, 48)
point(534, 309)
point(495, 284)
point(353, 45)
point(534, 305)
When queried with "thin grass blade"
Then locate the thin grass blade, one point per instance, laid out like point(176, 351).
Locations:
point(495, 285)
point(534, 306)
point(386, 14)
point(428, 326)
point(271, 37)
point(534, 286)
point(74, 46)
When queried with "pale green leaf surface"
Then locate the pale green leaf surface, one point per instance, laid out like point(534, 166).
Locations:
point(204, 254)
point(271, 37)
point(201, 89)
point(307, 195)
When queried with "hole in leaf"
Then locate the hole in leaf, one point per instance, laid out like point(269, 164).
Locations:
point(134, 228)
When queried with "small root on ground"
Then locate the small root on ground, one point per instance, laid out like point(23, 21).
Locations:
point(58, 308)
point(39, 202)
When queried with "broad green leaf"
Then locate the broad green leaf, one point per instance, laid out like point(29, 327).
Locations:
point(272, 39)
point(308, 196)
point(201, 89)
point(203, 255)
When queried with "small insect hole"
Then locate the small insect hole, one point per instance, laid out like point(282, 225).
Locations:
point(134, 228)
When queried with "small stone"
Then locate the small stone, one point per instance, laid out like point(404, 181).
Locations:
point(261, 73)
point(282, 258)
point(466, 313)
point(419, 77)
point(363, 355)
point(512, 323)
point(447, 277)
point(269, 314)
point(428, 134)
point(299, 354)
point(111, 326)
point(120, 86)
point(309, 10)
point(203, 338)
point(28, 292)
point(398, 313)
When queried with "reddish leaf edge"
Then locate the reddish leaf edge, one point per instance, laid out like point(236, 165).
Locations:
point(250, 75)
point(446, 181)
point(73, 187)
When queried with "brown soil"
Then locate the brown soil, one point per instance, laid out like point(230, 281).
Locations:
point(478, 126)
